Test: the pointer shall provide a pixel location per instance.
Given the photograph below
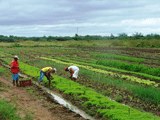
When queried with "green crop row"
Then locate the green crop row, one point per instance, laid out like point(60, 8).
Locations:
point(145, 93)
point(34, 72)
point(98, 103)
point(117, 57)
point(130, 67)
point(131, 73)
point(102, 105)
point(148, 94)
point(125, 77)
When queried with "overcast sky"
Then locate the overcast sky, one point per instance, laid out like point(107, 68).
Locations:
point(85, 17)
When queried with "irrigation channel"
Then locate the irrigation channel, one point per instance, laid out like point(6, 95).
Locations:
point(59, 99)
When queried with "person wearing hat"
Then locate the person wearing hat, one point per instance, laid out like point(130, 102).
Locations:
point(74, 70)
point(14, 66)
point(47, 71)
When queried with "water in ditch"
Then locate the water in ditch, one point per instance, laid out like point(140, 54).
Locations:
point(56, 97)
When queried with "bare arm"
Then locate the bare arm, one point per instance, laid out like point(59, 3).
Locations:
point(47, 74)
point(71, 72)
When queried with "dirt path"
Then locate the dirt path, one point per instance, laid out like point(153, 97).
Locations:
point(33, 104)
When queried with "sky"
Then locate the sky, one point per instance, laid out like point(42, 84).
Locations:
point(82, 17)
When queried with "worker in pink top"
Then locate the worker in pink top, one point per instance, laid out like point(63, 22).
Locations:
point(14, 66)
point(74, 70)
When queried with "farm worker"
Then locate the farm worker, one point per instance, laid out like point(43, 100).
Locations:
point(47, 71)
point(73, 72)
point(14, 66)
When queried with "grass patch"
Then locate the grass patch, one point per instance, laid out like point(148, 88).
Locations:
point(130, 67)
point(7, 111)
point(117, 57)
point(2, 70)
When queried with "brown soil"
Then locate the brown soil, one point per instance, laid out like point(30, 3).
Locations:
point(29, 101)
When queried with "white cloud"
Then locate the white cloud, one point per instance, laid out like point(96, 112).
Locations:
point(142, 22)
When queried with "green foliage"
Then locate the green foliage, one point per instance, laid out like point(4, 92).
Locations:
point(29, 70)
point(121, 36)
point(107, 68)
point(93, 64)
point(130, 67)
point(90, 98)
point(118, 98)
point(98, 103)
point(147, 93)
point(125, 77)
point(16, 45)
point(150, 95)
point(2, 70)
point(118, 57)
point(135, 89)
point(94, 99)
point(7, 111)
point(151, 92)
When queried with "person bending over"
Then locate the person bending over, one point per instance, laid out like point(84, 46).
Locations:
point(74, 70)
point(47, 71)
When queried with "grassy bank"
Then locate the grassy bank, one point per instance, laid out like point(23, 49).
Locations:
point(8, 111)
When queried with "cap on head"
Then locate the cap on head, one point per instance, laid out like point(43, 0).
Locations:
point(16, 57)
point(55, 70)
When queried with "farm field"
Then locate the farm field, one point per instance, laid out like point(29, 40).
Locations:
point(115, 82)
point(28, 103)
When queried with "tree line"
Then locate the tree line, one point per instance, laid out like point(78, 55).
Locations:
point(121, 36)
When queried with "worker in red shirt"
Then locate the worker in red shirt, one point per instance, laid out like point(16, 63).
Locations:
point(15, 70)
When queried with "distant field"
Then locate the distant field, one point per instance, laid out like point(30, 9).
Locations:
point(91, 43)
point(125, 71)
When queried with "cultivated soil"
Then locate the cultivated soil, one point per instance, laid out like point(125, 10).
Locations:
point(31, 103)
